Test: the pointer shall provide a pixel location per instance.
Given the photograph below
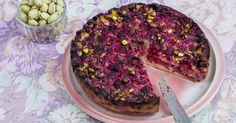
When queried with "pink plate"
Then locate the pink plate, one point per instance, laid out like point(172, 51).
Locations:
point(193, 96)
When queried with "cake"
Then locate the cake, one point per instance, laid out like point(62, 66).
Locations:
point(108, 55)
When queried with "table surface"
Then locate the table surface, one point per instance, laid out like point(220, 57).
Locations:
point(31, 84)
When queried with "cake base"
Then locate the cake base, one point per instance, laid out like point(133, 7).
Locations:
point(134, 109)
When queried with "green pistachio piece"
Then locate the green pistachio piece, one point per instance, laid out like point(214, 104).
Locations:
point(44, 7)
point(44, 16)
point(60, 2)
point(51, 8)
point(25, 8)
point(38, 2)
point(33, 14)
point(30, 2)
point(32, 22)
point(53, 17)
point(42, 22)
point(59, 9)
point(23, 17)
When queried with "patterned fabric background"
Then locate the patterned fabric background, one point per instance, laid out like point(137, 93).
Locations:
point(31, 84)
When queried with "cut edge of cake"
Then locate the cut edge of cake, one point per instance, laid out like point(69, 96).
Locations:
point(134, 109)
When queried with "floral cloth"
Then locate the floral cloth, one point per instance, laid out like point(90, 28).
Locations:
point(31, 84)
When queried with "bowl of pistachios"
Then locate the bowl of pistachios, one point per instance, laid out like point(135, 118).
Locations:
point(42, 21)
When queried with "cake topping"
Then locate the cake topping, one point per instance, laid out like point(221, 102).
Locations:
point(85, 50)
point(180, 54)
point(124, 42)
point(169, 31)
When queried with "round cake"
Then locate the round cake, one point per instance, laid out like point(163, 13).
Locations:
point(108, 54)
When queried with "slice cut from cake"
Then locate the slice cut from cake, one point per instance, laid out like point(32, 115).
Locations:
point(109, 53)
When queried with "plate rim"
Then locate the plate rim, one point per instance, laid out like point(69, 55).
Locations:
point(196, 107)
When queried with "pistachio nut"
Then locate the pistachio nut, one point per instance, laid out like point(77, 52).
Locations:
point(44, 7)
point(34, 7)
point(51, 8)
point(42, 22)
point(53, 17)
point(33, 13)
point(44, 16)
point(25, 8)
point(32, 22)
point(60, 2)
point(38, 2)
point(37, 17)
point(24, 2)
point(30, 2)
point(59, 9)
point(23, 17)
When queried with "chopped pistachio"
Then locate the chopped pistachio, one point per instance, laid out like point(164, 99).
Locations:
point(91, 70)
point(149, 20)
point(169, 31)
point(177, 59)
point(124, 42)
point(80, 53)
point(85, 65)
point(114, 12)
point(176, 41)
point(114, 17)
point(187, 25)
point(150, 17)
point(180, 54)
point(85, 50)
point(131, 90)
